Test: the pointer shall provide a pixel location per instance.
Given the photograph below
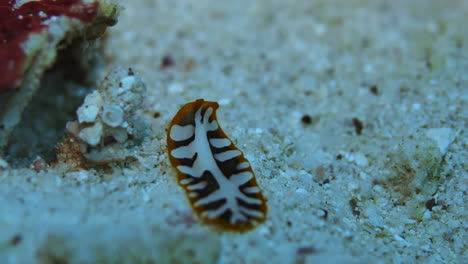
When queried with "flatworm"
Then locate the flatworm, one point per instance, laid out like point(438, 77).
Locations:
point(217, 179)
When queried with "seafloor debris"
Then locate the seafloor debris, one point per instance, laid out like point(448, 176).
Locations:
point(217, 179)
point(31, 34)
point(416, 162)
point(108, 126)
point(39, 164)
point(69, 153)
point(417, 168)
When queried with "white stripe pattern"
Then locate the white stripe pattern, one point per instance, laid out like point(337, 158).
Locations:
point(227, 155)
point(179, 133)
point(217, 179)
point(220, 142)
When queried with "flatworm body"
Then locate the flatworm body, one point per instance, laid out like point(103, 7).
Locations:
point(217, 179)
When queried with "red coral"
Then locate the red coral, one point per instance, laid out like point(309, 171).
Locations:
point(17, 24)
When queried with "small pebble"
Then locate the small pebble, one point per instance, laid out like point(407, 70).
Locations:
point(127, 82)
point(175, 88)
point(167, 61)
point(358, 126)
point(306, 119)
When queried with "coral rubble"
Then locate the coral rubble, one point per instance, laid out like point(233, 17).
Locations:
point(108, 126)
point(31, 35)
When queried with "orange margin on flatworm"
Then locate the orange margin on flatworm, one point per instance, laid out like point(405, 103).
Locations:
point(216, 222)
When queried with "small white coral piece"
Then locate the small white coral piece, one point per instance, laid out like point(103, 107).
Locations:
point(175, 88)
point(127, 82)
point(443, 136)
point(112, 115)
point(90, 109)
point(72, 127)
point(120, 134)
point(92, 135)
